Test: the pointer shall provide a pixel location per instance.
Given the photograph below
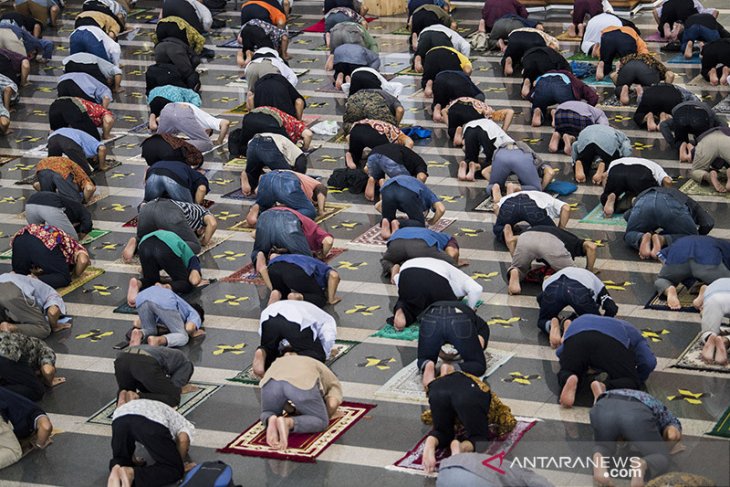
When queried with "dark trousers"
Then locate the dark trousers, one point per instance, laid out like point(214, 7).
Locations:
point(420, 288)
point(156, 256)
point(594, 350)
point(65, 113)
point(278, 328)
point(287, 277)
point(520, 209)
point(561, 293)
point(457, 396)
point(52, 181)
point(627, 182)
point(588, 156)
point(21, 379)
point(261, 153)
point(685, 122)
point(443, 324)
point(550, 91)
point(139, 372)
point(29, 252)
point(476, 140)
point(402, 249)
point(615, 45)
point(519, 43)
point(59, 145)
point(68, 87)
point(363, 136)
point(620, 417)
point(395, 197)
point(131, 429)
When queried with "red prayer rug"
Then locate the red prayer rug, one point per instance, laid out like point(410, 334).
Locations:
point(319, 26)
point(303, 447)
point(372, 236)
point(249, 275)
point(133, 222)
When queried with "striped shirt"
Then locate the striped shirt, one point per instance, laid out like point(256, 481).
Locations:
point(194, 214)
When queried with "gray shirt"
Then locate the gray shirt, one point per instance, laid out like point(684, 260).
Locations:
point(173, 362)
point(607, 138)
point(358, 55)
point(514, 476)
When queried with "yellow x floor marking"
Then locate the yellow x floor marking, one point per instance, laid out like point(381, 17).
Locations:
point(136, 72)
point(94, 335)
point(687, 395)
point(225, 215)
point(652, 335)
point(438, 164)
point(231, 300)
point(449, 199)
point(530, 141)
point(121, 175)
point(617, 286)
point(45, 89)
point(351, 266)
point(317, 104)
point(224, 99)
point(521, 379)
point(621, 118)
point(22, 167)
point(220, 181)
point(100, 289)
point(229, 255)
point(504, 323)
point(470, 232)
point(236, 349)
point(362, 309)
point(484, 276)
point(380, 363)
point(116, 207)
point(11, 200)
point(107, 246)
point(346, 225)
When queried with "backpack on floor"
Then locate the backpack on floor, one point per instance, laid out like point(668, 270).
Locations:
point(209, 474)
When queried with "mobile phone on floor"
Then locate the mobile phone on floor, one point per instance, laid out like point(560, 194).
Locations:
point(121, 345)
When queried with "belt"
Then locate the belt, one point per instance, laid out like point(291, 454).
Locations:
point(138, 351)
point(622, 398)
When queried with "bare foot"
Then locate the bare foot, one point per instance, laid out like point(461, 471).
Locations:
point(608, 208)
point(115, 479)
point(580, 175)
point(295, 297)
point(335, 300)
point(645, 246)
point(651, 125)
point(429, 455)
point(537, 117)
point(688, 50)
point(715, 180)
point(555, 337)
point(399, 320)
point(259, 359)
point(461, 174)
point(446, 369)
point(128, 252)
point(429, 373)
point(60, 327)
point(136, 337)
point(673, 299)
point(514, 287)
point(283, 426)
point(370, 190)
point(638, 480)
point(471, 174)
point(600, 71)
point(385, 231)
point(156, 341)
point(132, 292)
point(720, 350)
point(708, 351)
point(127, 476)
point(657, 242)
point(567, 396)
point(624, 98)
point(188, 388)
point(598, 388)
point(272, 433)
point(600, 474)
point(455, 447)
point(714, 79)
point(508, 69)
point(554, 142)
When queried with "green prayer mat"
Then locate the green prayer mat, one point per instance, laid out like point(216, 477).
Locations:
point(722, 427)
point(408, 72)
point(402, 31)
point(93, 235)
point(592, 81)
point(595, 217)
point(340, 349)
point(579, 56)
point(410, 333)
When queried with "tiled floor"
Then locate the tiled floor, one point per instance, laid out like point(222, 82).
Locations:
point(79, 456)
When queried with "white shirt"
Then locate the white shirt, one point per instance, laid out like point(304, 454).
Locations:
point(205, 119)
point(585, 277)
point(206, 18)
point(160, 413)
point(543, 200)
point(110, 46)
point(459, 43)
point(656, 170)
point(493, 131)
point(306, 315)
point(460, 283)
point(593, 30)
point(392, 87)
point(278, 63)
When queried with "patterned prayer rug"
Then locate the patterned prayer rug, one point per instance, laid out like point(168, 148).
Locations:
point(412, 462)
point(133, 222)
point(487, 205)
point(247, 273)
point(330, 210)
point(372, 236)
point(340, 348)
point(188, 402)
point(89, 274)
point(693, 188)
point(407, 386)
point(238, 195)
point(5, 159)
point(564, 36)
point(691, 358)
point(659, 302)
point(723, 106)
point(592, 81)
point(722, 427)
point(90, 237)
point(303, 447)
point(596, 217)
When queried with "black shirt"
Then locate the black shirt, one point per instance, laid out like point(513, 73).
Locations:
point(403, 156)
point(572, 242)
point(181, 173)
point(20, 412)
point(75, 211)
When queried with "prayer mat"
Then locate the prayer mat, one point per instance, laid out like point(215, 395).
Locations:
point(407, 384)
point(111, 164)
point(564, 36)
point(133, 221)
point(372, 236)
point(319, 27)
point(409, 333)
point(188, 402)
point(693, 188)
point(655, 37)
point(579, 56)
point(402, 31)
point(303, 447)
point(680, 59)
point(412, 462)
point(592, 81)
point(89, 274)
point(691, 358)
point(94, 235)
point(330, 210)
point(138, 129)
point(408, 71)
point(249, 275)
point(659, 302)
point(237, 194)
point(5, 159)
point(596, 217)
point(723, 106)
point(126, 309)
point(340, 349)
point(722, 427)
point(232, 44)
point(486, 205)
point(698, 81)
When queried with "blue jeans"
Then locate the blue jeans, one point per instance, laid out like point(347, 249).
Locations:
point(262, 152)
point(284, 188)
point(561, 293)
point(443, 324)
point(657, 210)
point(395, 197)
point(158, 186)
point(698, 32)
point(520, 209)
point(380, 166)
point(278, 228)
point(150, 314)
point(84, 41)
point(551, 90)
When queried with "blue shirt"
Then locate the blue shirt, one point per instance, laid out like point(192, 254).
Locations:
point(88, 144)
point(425, 195)
point(700, 248)
point(166, 299)
point(311, 266)
point(432, 239)
point(89, 85)
point(662, 415)
point(621, 331)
